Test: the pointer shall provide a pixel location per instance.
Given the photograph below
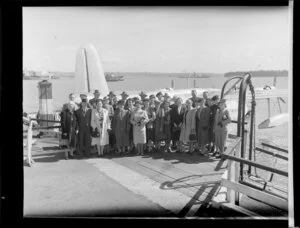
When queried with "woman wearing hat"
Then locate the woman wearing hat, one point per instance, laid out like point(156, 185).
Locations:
point(160, 96)
point(100, 121)
point(162, 125)
point(188, 128)
point(150, 132)
point(69, 127)
point(222, 119)
point(139, 118)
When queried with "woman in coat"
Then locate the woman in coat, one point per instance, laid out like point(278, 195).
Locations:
point(220, 127)
point(188, 127)
point(202, 124)
point(69, 127)
point(177, 113)
point(150, 132)
point(121, 127)
point(162, 125)
point(139, 119)
point(100, 121)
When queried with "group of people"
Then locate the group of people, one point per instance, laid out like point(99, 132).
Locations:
point(154, 123)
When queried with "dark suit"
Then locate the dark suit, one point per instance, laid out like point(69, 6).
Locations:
point(202, 125)
point(177, 118)
point(84, 134)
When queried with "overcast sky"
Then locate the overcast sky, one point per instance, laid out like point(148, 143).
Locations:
point(158, 39)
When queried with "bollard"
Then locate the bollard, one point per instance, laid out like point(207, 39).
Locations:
point(172, 84)
point(46, 111)
point(194, 83)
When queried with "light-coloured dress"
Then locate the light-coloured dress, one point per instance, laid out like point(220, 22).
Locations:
point(189, 123)
point(102, 122)
point(221, 131)
point(139, 132)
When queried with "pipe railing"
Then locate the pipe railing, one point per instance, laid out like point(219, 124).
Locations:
point(235, 186)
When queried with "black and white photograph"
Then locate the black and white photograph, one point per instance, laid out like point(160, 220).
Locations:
point(157, 112)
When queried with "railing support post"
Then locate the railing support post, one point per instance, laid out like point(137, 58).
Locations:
point(30, 161)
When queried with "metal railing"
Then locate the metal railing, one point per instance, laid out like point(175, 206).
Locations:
point(234, 184)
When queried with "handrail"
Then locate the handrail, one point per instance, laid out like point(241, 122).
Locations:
point(41, 120)
point(272, 153)
point(233, 146)
point(255, 164)
point(275, 147)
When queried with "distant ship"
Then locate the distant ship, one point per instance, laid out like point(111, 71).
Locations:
point(113, 78)
point(194, 75)
point(33, 75)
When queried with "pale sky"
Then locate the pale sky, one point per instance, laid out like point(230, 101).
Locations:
point(158, 39)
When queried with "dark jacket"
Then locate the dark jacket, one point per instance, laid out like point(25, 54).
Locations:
point(83, 119)
point(68, 124)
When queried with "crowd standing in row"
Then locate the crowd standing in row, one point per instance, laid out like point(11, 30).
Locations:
point(157, 123)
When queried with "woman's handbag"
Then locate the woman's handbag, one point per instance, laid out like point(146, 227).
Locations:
point(192, 136)
point(95, 133)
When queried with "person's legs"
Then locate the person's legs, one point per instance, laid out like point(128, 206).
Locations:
point(142, 149)
point(98, 150)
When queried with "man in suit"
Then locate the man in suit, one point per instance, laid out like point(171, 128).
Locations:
point(194, 97)
point(124, 96)
point(83, 117)
point(95, 99)
point(177, 114)
point(207, 99)
point(202, 125)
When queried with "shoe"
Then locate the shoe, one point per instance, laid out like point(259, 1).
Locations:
point(218, 156)
point(66, 158)
point(71, 157)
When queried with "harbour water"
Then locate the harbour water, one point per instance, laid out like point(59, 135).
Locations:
point(136, 82)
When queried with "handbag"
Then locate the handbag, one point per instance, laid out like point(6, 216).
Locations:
point(192, 137)
point(95, 133)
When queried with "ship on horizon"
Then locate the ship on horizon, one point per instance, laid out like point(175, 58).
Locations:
point(194, 75)
point(110, 77)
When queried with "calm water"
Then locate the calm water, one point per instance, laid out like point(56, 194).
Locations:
point(63, 87)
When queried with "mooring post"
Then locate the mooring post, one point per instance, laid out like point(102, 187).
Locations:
point(172, 84)
point(194, 83)
point(46, 111)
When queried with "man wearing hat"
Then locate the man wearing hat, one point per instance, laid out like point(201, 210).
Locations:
point(143, 95)
point(83, 117)
point(124, 96)
point(95, 99)
point(207, 100)
point(202, 125)
point(194, 97)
